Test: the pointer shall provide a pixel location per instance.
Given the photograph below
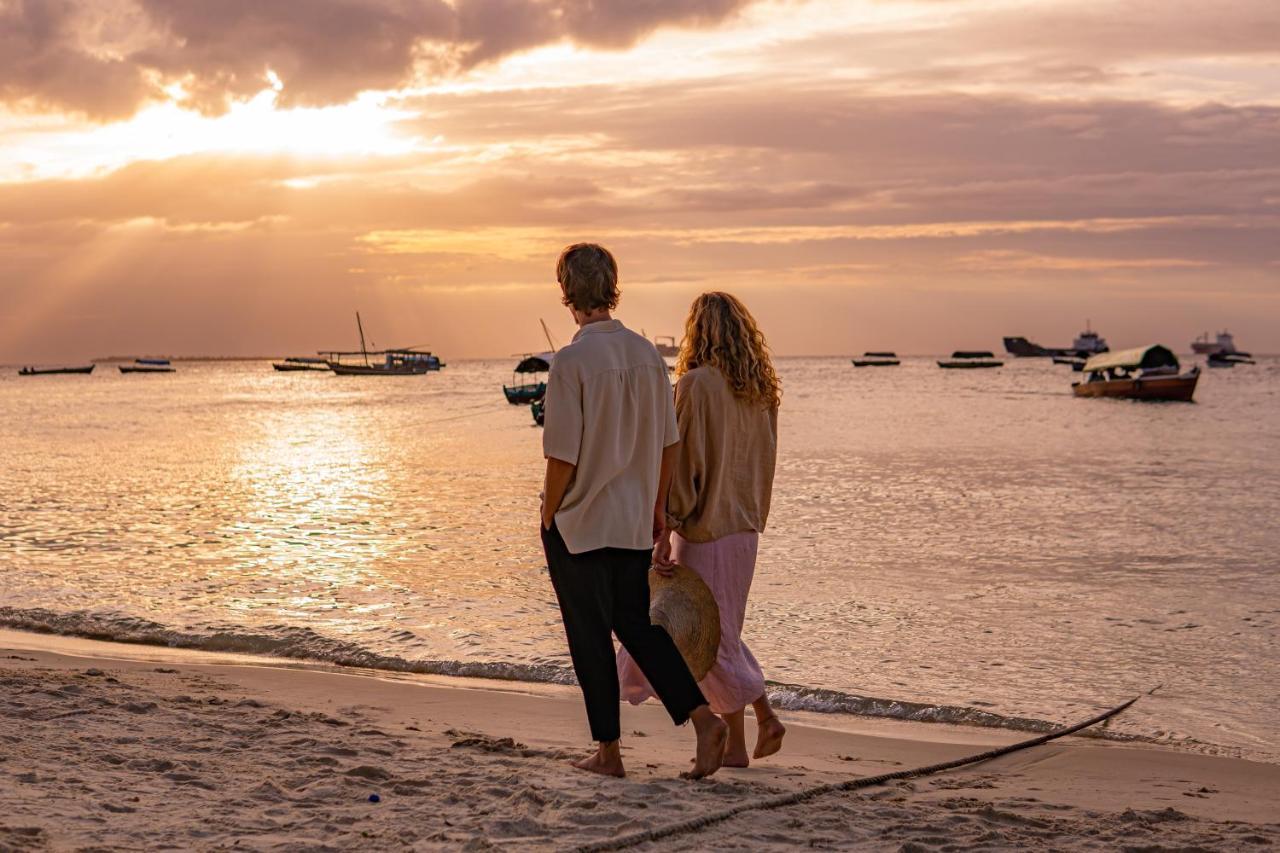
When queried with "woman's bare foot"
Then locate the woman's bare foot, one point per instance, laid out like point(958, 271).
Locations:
point(735, 755)
point(735, 748)
point(712, 734)
point(769, 734)
point(606, 760)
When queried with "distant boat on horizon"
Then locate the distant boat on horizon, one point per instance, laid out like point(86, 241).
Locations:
point(970, 360)
point(52, 371)
point(407, 361)
point(1087, 343)
point(1225, 344)
point(301, 364)
point(665, 345)
point(148, 365)
point(877, 359)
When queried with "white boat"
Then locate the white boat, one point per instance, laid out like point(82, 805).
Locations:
point(1225, 344)
point(1089, 342)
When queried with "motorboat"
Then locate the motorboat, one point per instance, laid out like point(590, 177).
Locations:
point(877, 359)
point(1075, 361)
point(148, 365)
point(970, 359)
point(51, 371)
point(522, 391)
point(1229, 359)
point(301, 364)
point(1144, 373)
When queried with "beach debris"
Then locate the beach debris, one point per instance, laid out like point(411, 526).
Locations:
point(375, 798)
point(94, 672)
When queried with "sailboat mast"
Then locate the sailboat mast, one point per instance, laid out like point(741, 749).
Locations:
point(547, 332)
point(363, 350)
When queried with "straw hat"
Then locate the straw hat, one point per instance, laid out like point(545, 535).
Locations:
point(684, 606)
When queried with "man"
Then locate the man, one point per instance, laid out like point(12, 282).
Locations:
point(610, 439)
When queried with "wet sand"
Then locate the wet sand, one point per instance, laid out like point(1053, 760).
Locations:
point(107, 746)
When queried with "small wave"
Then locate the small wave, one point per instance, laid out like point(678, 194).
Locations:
point(281, 641)
point(286, 641)
point(793, 697)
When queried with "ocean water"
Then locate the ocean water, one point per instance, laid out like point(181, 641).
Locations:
point(971, 546)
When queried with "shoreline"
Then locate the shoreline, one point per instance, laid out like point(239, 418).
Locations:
point(120, 745)
point(342, 657)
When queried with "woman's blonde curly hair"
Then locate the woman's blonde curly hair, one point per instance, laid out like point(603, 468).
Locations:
point(720, 332)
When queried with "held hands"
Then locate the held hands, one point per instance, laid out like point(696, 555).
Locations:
point(662, 562)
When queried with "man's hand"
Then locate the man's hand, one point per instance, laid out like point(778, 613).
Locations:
point(559, 476)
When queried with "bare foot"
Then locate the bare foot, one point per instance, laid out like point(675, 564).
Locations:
point(769, 734)
point(735, 755)
point(607, 761)
point(712, 735)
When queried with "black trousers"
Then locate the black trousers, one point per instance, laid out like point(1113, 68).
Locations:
point(606, 592)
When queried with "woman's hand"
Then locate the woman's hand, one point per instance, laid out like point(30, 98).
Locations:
point(662, 562)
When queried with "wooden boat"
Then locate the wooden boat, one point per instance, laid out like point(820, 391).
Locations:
point(148, 365)
point(296, 364)
point(970, 359)
point(50, 371)
point(408, 361)
point(877, 359)
point(522, 392)
point(1144, 373)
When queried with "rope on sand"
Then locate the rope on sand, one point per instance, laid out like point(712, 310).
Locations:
point(695, 824)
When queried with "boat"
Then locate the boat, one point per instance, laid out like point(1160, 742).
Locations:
point(1144, 373)
point(1075, 361)
point(1224, 344)
point(1229, 359)
point(666, 346)
point(393, 363)
point(522, 393)
point(877, 359)
point(148, 365)
point(408, 361)
point(539, 410)
point(296, 364)
point(1020, 347)
point(1087, 343)
point(970, 359)
point(50, 371)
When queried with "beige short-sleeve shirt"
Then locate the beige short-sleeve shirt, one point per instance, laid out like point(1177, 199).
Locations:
point(609, 411)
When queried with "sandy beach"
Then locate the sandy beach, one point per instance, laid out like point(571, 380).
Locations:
point(110, 746)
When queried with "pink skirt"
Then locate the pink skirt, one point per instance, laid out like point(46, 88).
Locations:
point(727, 565)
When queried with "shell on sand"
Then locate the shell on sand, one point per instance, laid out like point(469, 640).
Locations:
point(684, 605)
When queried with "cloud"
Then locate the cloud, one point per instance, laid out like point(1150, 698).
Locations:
point(106, 58)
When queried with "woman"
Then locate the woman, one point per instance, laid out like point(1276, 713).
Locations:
point(727, 408)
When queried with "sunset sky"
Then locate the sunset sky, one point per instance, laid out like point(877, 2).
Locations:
point(240, 176)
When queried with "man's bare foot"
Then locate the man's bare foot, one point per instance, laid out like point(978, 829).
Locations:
point(769, 734)
point(607, 761)
point(712, 734)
